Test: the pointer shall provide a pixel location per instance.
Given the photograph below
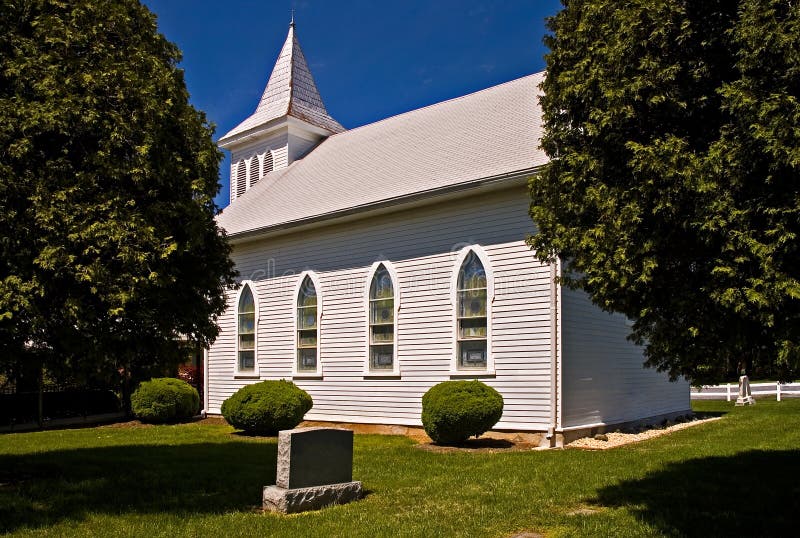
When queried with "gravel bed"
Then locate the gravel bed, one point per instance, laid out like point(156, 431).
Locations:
point(615, 439)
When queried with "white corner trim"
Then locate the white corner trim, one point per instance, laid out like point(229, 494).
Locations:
point(395, 371)
point(236, 372)
point(296, 373)
point(557, 383)
point(487, 267)
point(205, 379)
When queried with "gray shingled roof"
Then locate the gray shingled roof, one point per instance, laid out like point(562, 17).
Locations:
point(482, 135)
point(291, 91)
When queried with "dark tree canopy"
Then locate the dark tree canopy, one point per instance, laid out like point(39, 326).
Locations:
point(109, 252)
point(673, 190)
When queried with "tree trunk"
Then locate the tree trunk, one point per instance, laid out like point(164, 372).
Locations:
point(40, 402)
point(126, 391)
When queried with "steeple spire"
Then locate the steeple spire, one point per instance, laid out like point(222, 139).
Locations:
point(291, 91)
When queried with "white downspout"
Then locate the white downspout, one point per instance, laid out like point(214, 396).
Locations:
point(555, 272)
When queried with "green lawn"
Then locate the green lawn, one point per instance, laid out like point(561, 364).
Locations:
point(739, 476)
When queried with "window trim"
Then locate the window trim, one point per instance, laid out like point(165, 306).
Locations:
point(297, 373)
point(236, 371)
point(455, 371)
point(395, 371)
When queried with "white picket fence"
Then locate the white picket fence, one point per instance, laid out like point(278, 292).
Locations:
point(730, 391)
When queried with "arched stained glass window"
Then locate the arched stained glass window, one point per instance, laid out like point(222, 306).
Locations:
point(307, 326)
point(472, 314)
point(246, 330)
point(255, 172)
point(381, 320)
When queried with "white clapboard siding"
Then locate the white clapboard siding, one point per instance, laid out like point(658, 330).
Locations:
point(422, 244)
point(604, 380)
point(299, 146)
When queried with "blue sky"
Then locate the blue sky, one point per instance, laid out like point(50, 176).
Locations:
point(371, 60)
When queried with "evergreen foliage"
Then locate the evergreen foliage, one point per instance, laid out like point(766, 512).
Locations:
point(673, 191)
point(266, 408)
point(109, 252)
point(452, 411)
point(165, 400)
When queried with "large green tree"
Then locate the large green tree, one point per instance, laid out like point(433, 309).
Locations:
point(673, 190)
point(109, 252)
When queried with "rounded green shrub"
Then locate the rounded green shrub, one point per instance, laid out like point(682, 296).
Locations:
point(267, 407)
point(164, 399)
point(455, 410)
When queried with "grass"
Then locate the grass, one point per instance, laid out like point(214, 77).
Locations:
point(737, 476)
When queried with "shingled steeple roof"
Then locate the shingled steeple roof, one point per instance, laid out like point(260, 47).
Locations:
point(291, 91)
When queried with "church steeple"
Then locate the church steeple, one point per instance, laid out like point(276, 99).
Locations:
point(290, 118)
point(291, 91)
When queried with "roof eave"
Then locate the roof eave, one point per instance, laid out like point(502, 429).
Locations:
point(506, 179)
point(228, 141)
point(311, 127)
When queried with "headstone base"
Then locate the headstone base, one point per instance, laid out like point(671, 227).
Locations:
point(745, 400)
point(290, 501)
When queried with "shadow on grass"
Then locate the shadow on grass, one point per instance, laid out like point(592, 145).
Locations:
point(251, 435)
point(42, 489)
point(754, 493)
point(700, 415)
point(483, 442)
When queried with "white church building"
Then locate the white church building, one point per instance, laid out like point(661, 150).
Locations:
point(378, 261)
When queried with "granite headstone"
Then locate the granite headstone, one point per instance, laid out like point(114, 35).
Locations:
point(315, 469)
